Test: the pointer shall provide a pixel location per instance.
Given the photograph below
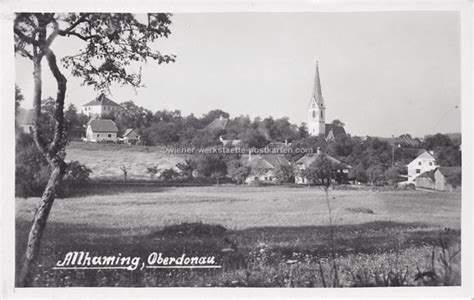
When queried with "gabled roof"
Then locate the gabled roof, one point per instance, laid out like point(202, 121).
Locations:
point(218, 124)
point(427, 174)
point(101, 100)
point(129, 131)
point(266, 161)
point(103, 125)
point(309, 158)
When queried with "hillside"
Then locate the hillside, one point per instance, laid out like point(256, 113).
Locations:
point(106, 160)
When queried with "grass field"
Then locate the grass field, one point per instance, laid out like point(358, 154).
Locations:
point(105, 160)
point(280, 236)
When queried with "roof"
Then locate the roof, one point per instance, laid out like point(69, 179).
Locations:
point(404, 140)
point(317, 93)
point(25, 116)
point(101, 100)
point(129, 131)
point(218, 124)
point(336, 130)
point(427, 174)
point(103, 125)
point(309, 158)
point(266, 161)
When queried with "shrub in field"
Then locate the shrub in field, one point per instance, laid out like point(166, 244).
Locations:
point(31, 171)
point(152, 171)
point(169, 174)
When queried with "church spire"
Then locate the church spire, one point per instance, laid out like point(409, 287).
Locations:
point(317, 94)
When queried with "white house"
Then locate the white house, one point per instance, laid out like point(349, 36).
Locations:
point(101, 130)
point(423, 163)
point(263, 167)
point(100, 106)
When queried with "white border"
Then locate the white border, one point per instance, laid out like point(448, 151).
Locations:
point(7, 207)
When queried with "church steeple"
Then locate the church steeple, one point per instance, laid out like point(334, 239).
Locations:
point(317, 94)
point(316, 109)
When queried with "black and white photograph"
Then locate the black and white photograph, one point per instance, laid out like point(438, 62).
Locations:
point(238, 149)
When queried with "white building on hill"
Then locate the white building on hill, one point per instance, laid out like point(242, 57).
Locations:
point(100, 106)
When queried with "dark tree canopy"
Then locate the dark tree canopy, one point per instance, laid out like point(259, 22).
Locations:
point(112, 42)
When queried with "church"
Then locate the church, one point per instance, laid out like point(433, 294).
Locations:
point(317, 114)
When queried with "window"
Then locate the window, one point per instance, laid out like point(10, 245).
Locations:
point(321, 114)
point(431, 163)
point(419, 163)
point(109, 135)
point(418, 171)
point(314, 114)
point(98, 135)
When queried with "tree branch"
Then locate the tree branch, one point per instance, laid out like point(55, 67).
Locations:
point(26, 38)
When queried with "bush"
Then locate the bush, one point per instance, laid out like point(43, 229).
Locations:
point(31, 171)
point(169, 174)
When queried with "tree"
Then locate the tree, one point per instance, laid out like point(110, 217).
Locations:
point(374, 173)
point(111, 43)
point(186, 167)
point(283, 173)
point(18, 98)
point(212, 166)
point(237, 171)
point(322, 169)
point(337, 122)
point(169, 174)
point(152, 171)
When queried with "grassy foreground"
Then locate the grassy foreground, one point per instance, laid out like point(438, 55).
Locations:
point(277, 236)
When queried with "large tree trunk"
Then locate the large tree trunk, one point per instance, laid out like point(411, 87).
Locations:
point(54, 153)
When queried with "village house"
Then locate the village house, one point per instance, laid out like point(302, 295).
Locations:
point(228, 143)
point(263, 167)
point(423, 163)
point(341, 173)
point(100, 106)
point(130, 137)
point(441, 179)
point(101, 130)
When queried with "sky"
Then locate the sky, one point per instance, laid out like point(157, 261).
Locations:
point(382, 73)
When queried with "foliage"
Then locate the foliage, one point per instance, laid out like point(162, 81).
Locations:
point(375, 173)
point(169, 174)
point(152, 171)
point(321, 170)
point(283, 173)
point(237, 171)
point(211, 166)
point(187, 167)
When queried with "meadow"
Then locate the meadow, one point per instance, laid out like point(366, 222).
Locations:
point(262, 236)
point(106, 160)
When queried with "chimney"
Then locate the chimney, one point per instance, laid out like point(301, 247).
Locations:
point(318, 151)
point(250, 155)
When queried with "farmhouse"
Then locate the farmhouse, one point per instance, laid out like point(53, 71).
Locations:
point(227, 143)
point(317, 114)
point(263, 167)
point(100, 106)
point(423, 163)
point(441, 179)
point(342, 171)
point(130, 136)
point(101, 130)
